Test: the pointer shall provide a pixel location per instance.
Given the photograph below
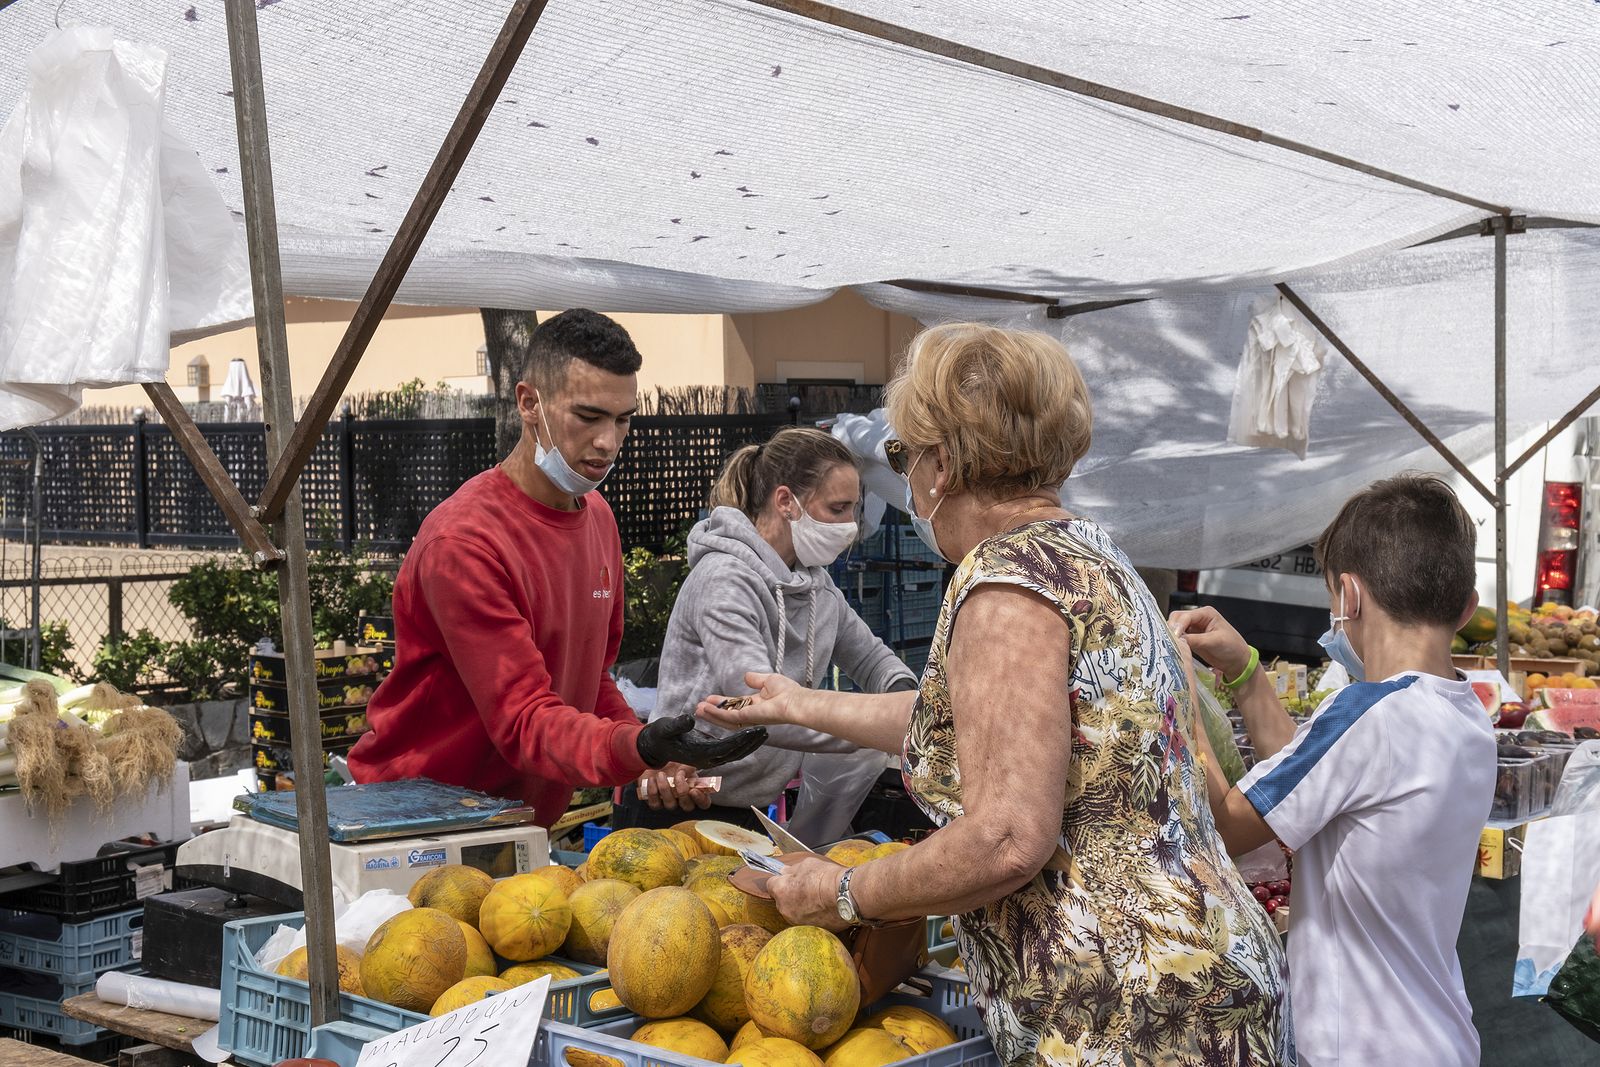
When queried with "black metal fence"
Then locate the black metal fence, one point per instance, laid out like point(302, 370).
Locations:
point(370, 482)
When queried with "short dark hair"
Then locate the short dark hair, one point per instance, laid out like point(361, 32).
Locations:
point(597, 339)
point(1412, 545)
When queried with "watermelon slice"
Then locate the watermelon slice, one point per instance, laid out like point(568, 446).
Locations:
point(1489, 694)
point(1565, 718)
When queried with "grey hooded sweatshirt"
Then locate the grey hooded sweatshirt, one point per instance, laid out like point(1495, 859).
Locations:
point(742, 609)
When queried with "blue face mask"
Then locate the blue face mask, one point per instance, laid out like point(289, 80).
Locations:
point(923, 526)
point(555, 465)
point(1336, 642)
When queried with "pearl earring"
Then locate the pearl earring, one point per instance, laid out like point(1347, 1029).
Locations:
point(933, 492)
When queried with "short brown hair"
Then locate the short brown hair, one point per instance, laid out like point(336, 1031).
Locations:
point(1412, 545)
point(1008, 405)
point(797, 456)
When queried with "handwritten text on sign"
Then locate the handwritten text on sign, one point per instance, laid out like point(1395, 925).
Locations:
point(495, 1032)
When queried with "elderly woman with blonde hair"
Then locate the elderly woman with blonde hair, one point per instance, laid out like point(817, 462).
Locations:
point(1053, 743)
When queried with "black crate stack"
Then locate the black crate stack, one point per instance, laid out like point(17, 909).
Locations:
point(58, 938)
point(346, 680)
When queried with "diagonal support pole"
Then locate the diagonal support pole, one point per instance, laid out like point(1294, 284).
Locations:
point(209, 467)
point(892, 33)
point(1555, 431)
point(1388, 394)
point(403, 249)
point(294, 586)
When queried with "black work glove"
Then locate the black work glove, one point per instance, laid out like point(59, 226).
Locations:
point(676, 740)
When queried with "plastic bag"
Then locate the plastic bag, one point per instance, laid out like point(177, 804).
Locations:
point(1560, 866)
point(114, 242)
point(1575, 990)
point(353, 927)
point(1219, 731)
point(832, 787)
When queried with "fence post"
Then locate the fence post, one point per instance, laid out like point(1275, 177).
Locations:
point(347, 477)
point(113, 610)
point(141, 482)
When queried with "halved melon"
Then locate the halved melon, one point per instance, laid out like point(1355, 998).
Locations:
point(726, 839)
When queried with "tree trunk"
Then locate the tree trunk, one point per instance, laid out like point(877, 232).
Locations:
point(507, 336)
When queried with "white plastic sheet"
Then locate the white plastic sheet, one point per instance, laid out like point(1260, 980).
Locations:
point(112, 237)
point(1560, 866)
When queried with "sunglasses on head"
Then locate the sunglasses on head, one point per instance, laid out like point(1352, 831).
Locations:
point(898, 455)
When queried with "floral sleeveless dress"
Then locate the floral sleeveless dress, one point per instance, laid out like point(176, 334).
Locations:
point(1145, 947)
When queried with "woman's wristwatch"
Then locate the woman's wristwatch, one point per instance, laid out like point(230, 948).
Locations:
point(847, 902)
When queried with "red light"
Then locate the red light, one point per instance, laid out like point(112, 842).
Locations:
point(1555, 575)
point(1188, 581)
point(1563, 504)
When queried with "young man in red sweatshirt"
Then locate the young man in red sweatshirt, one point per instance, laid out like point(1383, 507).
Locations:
point(508, 608)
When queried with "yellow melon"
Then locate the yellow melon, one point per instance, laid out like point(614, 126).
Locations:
point(704, 864)
point(803, 986)
point(467, 991)
point(684, 1036)
point(456, 890)
point(866, 1048)
point(525, 917)
point(727, 904)
point(563, 878)
point(413, 958)
point(480, 957)
point(774, 1052)
point(582, 871)
point(639, 857)
point(688, 847)
point(664, 953)
point(747, 1034)
point(524, 973)
point(726, 839)
point(687, 827)
point(851, 852)
point(921, 1031)
point(888, 848)
point(765, 914)
point(582, 1057)
point(295, 965)
point(595, 908)
point(723, 1005)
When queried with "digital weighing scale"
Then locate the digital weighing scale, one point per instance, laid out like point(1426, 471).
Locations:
point(384, 835)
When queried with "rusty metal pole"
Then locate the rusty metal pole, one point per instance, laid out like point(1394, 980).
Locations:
point(294, 590)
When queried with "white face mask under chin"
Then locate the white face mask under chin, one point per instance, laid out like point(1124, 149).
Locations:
point(818, 543)
point(555, 465)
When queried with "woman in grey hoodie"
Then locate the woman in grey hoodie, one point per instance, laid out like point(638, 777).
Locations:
point(759, 598)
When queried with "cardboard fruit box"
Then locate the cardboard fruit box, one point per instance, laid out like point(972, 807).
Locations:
point(331, 664)
point(340, 693)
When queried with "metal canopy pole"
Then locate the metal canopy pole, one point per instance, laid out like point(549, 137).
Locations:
point(1500, 227)
point(1388, 394)
point(294, 591)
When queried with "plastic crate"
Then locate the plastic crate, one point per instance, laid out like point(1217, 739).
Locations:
point(33, 1002)
point(941, 934)
point(267, 1017)
point(104, 1049)
point(921, 600)
point(73, 951)
point(592, 834)
point(88, 889)
point(951, 1000)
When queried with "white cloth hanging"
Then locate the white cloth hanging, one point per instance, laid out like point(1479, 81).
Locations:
point(113, 241)
point(1277, 382)
point(238, 391)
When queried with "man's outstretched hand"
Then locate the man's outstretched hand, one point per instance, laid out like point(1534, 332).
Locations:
point(675, 740)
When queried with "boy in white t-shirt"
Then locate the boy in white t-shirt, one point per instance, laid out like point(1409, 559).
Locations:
point(1382, 793)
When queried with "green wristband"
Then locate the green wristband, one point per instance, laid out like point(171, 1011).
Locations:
point(1248, 672)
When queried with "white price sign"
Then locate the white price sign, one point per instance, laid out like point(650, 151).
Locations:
point(495, 1032)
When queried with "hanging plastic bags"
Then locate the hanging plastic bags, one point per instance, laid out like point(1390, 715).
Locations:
point(1560, 866)
point(1277, 383)
point(113, 241)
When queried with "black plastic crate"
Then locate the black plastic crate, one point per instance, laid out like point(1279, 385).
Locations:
point(104, 1049)
point(890, 809)
point(88, 889)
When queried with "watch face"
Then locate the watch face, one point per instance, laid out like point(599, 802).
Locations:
point(846, 912)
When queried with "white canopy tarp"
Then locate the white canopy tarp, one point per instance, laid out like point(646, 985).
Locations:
point(715, 155)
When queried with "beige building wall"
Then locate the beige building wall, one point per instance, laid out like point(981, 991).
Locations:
point(843, 337)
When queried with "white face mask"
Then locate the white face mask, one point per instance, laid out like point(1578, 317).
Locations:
point(818, 543)
point(556, 467)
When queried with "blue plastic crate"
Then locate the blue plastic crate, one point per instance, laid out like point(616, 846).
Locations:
point(75, 951)
point(31, 1001)
point(941, 934)
point(950, 999)
point(592, 835)
point(920, 600)
point(267, 1017)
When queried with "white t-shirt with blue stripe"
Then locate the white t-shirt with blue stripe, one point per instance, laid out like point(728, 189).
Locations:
point(1382, 794)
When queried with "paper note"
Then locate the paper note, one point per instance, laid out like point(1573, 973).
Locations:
point(497, 1030)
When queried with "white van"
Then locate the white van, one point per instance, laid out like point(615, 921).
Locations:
point(1280, 602)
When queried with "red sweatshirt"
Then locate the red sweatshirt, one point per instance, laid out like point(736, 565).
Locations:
point(507, 616)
